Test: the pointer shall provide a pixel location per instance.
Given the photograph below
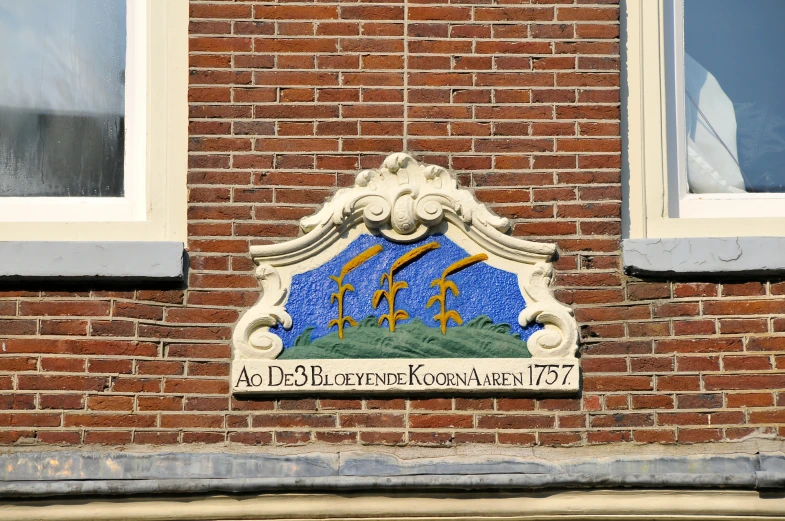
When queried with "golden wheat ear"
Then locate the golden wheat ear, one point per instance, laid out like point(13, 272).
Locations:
point(431, 301)
point(452, 314)
point(412, 255)
point(363, 257)
point(401, 315)
point(401, 284)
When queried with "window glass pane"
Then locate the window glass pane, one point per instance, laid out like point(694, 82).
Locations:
point(734, 103)
point(62, 97)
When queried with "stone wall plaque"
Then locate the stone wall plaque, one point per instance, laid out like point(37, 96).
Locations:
point(405, 283)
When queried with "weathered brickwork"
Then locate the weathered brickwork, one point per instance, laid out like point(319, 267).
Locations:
point(287, 101)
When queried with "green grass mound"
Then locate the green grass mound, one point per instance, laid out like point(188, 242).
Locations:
point(477, 338)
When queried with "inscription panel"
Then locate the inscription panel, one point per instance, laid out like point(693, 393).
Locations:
point(405, 283)
point(506, 375)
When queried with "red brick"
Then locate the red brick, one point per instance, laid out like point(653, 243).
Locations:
point(744, 382)
point(372, 420)
point(19, 327)
point(517, 438)
point(386, 404)
point(10, 402)
point(440, 421)
point(220, 11)
point(515, 421)
point(64, 308)
point(678, 383)
point(107, 437)
point(112, 366)
point(615, 402)
point(605, 437)
point(30, 420)
point(697, 363)
point(195, 385)
point(59, 437)
point(699, 435)
point(654, 436)
point(735, 400)
point(617, 383)
point(110, 403)
point(61, 401)
point(622, 420)
point(608, 14)
point(62, 383)
point(652, 401)
point(63, 365)
point(160, 403)
point(290, 420)
point(382, 438)
point(676, 309)
point(693, 327)
point(698, 345)
point(203, 437)
point(743, 307)
point(156, 437)
point(509, 14)
point(109, 420)
point(746, 363)
point(681, 290)
point(773, 343)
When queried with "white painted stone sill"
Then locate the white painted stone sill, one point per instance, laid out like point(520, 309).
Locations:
point(135, 260)
point(704, 256)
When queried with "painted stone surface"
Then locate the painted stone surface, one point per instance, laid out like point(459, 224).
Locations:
point(439, 287)
point(402, 283)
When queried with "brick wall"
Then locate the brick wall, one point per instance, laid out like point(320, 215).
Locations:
point(287, 101)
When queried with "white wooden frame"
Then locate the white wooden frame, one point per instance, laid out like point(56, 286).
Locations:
point(699, 205)
point(153, 207)
point(656, 205)
point(130, 207)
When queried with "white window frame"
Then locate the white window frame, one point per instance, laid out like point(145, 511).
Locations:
point(685, 204)
point(153, 207)
point(657, 204)
point(129, 207)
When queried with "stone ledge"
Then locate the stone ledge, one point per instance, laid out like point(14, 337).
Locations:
point(704, 256)
point(89, 260)
point(78, 473)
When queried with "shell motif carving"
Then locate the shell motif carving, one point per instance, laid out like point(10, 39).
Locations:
point(403, 199)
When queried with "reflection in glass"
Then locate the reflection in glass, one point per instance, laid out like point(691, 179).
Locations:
point(734, 104)
point(62, 97)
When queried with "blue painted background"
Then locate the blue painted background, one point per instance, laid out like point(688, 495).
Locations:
point(484, 290)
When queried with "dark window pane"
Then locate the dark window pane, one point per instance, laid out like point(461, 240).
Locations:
point(735, 72)
point(62, 97)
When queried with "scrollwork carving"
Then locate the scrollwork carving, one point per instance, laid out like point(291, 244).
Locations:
point(559, 337)
point(252, 337)
point(402, 197)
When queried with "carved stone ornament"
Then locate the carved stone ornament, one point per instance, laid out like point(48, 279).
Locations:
point(405, 283)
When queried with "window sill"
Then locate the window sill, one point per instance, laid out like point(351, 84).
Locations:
point(162, 260)
point(704, 256)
